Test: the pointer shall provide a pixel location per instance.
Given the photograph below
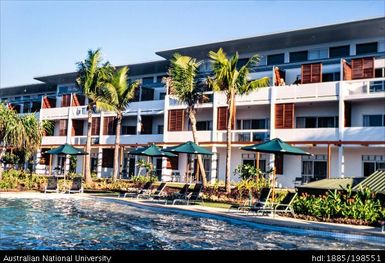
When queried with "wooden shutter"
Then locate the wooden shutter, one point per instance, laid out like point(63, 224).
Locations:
point(62, 127)
point(66, 100)
point(172, 163)
point(95, 127)
point(46, 103)
point(284, 116)
point(347, 70)
point(311, 73)
point(175, 120)
point(222, 118)
point(77, 127)
point(109, 126)
point(78, 100)
point(278, 162)
point(363, 68)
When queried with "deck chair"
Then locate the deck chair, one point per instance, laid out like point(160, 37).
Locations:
point(77, 186)
point(262, 202)
point(157, 194)
point(195, 195)
point(146, 188)
point(52, 185)
point(285, 206)
point(181, 194)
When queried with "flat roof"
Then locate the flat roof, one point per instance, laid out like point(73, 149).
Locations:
point(303, 37)
point(26, 90)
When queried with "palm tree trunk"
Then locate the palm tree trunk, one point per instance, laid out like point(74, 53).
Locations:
point(117, 144)
point(2, 152)
point(199, 156)
point(230, 113)
point(87, 168)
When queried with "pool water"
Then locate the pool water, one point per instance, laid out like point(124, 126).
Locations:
point(87, 223)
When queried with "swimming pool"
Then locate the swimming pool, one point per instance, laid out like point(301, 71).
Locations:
point(88, 223)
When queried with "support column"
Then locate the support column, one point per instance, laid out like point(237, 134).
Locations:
point(341, 161)
point(329, 155)
point(214, 134)
point(68, 140)
point(100, 161)
point(214, 165)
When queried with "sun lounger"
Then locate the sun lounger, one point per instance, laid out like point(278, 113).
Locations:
point(285, 206)
point(77, 186)
point(52, 185)
point(146, 188)
point(195, 195)
point(179, 195)
point(157, 194)
point(262, 202)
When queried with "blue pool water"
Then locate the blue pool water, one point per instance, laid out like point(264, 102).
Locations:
point(99, 224)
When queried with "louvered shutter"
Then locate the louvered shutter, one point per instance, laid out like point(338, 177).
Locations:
point(347, 70)
point(278, 162)
point(222, 118)
point(363, 68)
point(284, 116)
point(311, 73)
point(175, 120)
point(62, 127)
point(95, 127)
point(66, 100)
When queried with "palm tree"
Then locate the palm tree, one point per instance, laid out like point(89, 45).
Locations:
point(23, 133)
point(182, 82)
point(92, 77)
point(118, 94)
point(228, 78)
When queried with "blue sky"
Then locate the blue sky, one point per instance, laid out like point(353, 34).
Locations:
point(39, 38)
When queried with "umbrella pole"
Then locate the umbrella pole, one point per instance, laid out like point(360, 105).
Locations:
point(50, 165)
point(273, 186)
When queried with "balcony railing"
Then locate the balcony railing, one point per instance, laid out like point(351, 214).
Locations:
point(316, 91)
point(364, 134)
point(132, 139)
point(54, 140)
point(244, 135)
point(308, 134)
point(184, 136)
point(54, 113)
point(150, 105)
point(365, 87)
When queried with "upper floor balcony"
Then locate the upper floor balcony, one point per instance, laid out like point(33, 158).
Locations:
point(364, 134)
point(365, 88)
point(307, 134)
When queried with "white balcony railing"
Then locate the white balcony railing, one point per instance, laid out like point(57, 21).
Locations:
point(364, 134)
point(184, 136)
point(54, 140)
point(132, 139)
point(79, 112)
point(150, 105)
point(244, 135)
point(54, 113)
point(324, 90)
point(308, 134)
point(365, 87)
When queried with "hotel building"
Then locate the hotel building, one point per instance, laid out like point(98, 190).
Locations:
point(326, 96)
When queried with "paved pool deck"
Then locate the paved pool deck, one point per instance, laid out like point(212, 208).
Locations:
point(266, 220)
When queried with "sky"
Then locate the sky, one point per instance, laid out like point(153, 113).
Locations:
point(40, 38)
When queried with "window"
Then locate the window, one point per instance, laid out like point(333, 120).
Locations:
point(379, 73)
point(162, 95)
point(317, 122)
point(159, 79)
point(276, 59)
point(242, 62)
point(377, 86)
point(298, 56)
point(314, 166)
point(160, 129)
point(335, 76)
point(108, 158)
point(204, 126)
point(250, 159)
point(373, 120)
point(366, 48)
point(128, 130)
point(339, 52)
point(252, 124)
point(372, 163)
point(148, 80)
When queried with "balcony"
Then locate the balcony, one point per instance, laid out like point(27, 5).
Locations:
point(132, 139)
point(365, 88)
point(364, 134)
point(184, 136)
point(54, 140)
point(244, 135)
point(54, 113)
point(308, 134)
point(313, 91)
point(79, 112)
point(149, 106)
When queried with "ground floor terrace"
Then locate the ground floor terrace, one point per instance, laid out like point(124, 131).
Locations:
point(327, 161)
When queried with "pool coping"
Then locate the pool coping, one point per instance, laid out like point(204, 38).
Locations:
point(279, 221)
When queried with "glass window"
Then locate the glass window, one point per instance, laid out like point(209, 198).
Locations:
point(276, 59)
point(379, 72)
point(298, 56)
point(372, 120)
point(258, 124)
point(311, 122)
point(320, 168)
point(307, 167)
point(162, 95)
point(159, 79)
point(242, 62)
point(326, 122)
point(300, 122)
point(246, 124)
point(203, 125)
point(369, 168)
point(249, 162)
point(339, 52)
point(148, 80)
point(366, 48)
point(160, 129)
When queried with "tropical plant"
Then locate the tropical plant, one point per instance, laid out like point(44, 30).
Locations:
point(118, 94)
point(92, 77)
point(182, 82)
point(228, 78)
point(21, 132)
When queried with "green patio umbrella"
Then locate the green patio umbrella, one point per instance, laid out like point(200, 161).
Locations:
point(151, 151)
point(275, 146)
point(188, 148)
point(65, 149)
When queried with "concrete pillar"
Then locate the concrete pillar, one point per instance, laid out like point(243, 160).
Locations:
point(165, 117)
point(341, 161)
point(214, 165)
point(100, 160)
point(214, 134)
